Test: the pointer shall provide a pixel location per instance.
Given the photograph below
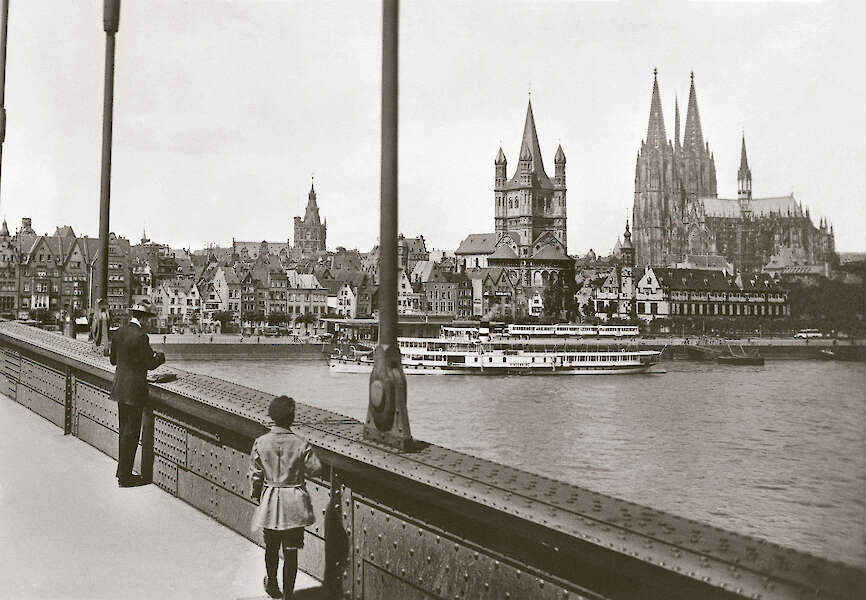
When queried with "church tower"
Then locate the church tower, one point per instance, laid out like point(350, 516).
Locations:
point(654, 186)
point(530, 204)
point(310, 232)
point(744, 182)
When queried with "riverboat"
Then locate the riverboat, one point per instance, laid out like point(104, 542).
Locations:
point(450, 356)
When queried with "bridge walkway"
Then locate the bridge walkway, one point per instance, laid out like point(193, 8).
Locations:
point(67, 530)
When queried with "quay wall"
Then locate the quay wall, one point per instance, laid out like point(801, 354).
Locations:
point(428, 524)
point(245, 351)
point(770, 349)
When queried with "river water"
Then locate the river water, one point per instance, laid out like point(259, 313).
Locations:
point(777, 451)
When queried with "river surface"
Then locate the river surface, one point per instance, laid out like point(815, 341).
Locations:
point(777, 451)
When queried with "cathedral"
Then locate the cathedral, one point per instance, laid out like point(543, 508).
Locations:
point(310, 232)
point(677, 212)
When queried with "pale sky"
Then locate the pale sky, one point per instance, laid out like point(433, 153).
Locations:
point(224, 109)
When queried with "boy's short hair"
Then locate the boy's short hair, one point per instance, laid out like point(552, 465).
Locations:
point(282, 411)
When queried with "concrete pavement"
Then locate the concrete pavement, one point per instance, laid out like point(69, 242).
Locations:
point(67, 531)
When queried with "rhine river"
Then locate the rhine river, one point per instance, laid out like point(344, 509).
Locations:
point(777, 451)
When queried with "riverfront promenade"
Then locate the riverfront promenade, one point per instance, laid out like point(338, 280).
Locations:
point(69, 532)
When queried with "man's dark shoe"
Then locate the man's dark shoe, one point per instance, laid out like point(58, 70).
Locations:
point(133, 481)
point(272, 589)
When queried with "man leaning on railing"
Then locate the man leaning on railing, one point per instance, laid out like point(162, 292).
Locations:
point(131, 352)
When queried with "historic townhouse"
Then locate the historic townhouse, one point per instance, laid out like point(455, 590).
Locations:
point(306, 296)
point(75, 290)
point(180, 303)
point(277, 307)
point(448, 293)
point(227, 288)
point(502, 294)
point(347, 306)
point(9, 301)
point(411, 299)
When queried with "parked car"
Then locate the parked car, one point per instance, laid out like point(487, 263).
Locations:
point(271, 331)
point(808, 333)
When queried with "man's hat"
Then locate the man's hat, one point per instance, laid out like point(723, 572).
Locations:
point(144, 306)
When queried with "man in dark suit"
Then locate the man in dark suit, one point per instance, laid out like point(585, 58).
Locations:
point(131, 352)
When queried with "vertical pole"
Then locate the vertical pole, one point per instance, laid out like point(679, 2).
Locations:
point(387, 418)
point(110, 22)
point(388, 252)
point(3, 32)
point(111, 19)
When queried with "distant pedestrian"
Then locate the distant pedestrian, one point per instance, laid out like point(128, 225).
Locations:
point(258, 339)
point(280, 462)
point(163, 340)
point(211, 339)
point(131, 352)
point(242, 339)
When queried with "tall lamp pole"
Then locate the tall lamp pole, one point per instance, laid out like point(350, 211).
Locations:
point(110, 22)
point(3, 32)
point(387, 417)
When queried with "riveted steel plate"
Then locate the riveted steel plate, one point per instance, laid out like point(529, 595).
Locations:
point(203, 457)
point(42, 406)
point(196, 491)
point(379, 583)
point(444, 565)
point(45, 380)
point(165, 474)
point(96, 404)
point(320, 497)
point(311, 558)
point(11, 372)
point(100, 437)
point(234, 512)
point(169, 440)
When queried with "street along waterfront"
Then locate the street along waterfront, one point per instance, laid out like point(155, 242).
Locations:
point(777, 452)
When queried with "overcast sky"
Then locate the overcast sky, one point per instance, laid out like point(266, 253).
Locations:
point(224, 109)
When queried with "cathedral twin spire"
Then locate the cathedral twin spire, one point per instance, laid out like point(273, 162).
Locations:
point(693, 138)
point(655, 134)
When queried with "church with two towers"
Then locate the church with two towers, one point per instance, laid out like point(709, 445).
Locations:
point(677, 213)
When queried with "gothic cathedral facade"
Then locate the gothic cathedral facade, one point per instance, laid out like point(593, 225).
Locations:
point(677, 212)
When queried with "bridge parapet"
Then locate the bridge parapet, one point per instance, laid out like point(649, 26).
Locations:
point(431, 523)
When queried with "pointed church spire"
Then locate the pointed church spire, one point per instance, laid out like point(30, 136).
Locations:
point(4, 229)
point(530, 143)
point(693, 138)
point(311, 215)
point(500, 157)
point(560, 156)
point(744, 162)
point(655, 134)
point(676, 124)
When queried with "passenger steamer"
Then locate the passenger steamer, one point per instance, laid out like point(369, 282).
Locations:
point(457, 352)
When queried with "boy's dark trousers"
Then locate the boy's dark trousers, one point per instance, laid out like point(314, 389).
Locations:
point(129, 421)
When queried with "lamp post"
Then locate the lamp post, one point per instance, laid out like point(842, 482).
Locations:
point(110, 23)
point(111, 19)
point(3, 31)
point(387, 418)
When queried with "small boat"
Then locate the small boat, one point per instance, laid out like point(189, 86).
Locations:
point(740, 358)
point(840, 353)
